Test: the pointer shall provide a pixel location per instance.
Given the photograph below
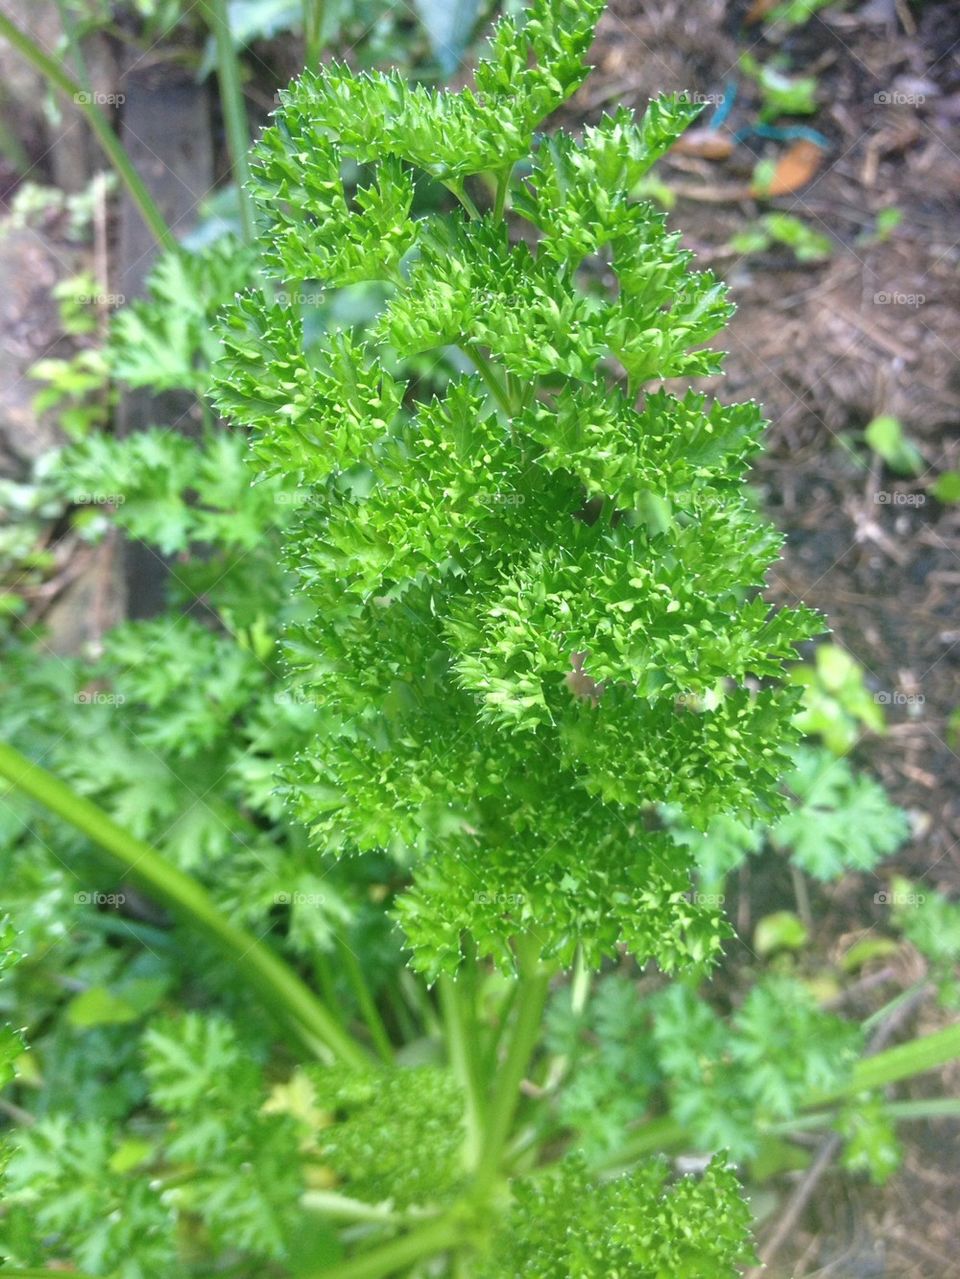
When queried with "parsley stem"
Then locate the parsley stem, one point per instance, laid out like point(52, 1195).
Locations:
point(914, 1057)
point(534, 983)
point(235, 122)
point(314, 1026)
point(366, 1001)
point(438, 1236)
point(458, 189)
point(54, 73)
point(489, 374)
point(313, 30)
point(330, 1203)
point(503, 185)
point(458, 1002)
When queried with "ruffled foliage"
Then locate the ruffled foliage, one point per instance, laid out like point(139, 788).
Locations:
point(536, 606)
point(565, 1226)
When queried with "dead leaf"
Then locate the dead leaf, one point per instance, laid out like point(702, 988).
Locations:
point(758, 11)
point(580, 683)
point(708, 144)
point(794, 169)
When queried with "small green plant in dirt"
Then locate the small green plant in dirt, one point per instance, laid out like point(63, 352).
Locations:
point(886, 436)
point(946, 487)
point(781, 94)
point(794, 13)
point(837, 704)
point(806, 244)
point(447, 705)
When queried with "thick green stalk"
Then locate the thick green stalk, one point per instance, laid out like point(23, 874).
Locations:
point(488, 372)
point(901, 1062)
point(893, 1005)
point(342, 1208)
point(391, 1258)
point(458, 189)
point(368, 1007)
point(54, 73)
point(922, 1108)
point(232, 103)
point(500, 200)
point(310, 1021)
point(534, 983)
point(313, 22)
point(68, 22)
point(323, 972)
point(458, 1002)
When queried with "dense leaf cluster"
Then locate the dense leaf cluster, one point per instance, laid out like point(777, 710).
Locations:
point(565, 1226)
point(536, 608)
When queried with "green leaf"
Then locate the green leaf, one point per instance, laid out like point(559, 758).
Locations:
point(842, 821)
point(885, 435)
point(946, 487)
point(870, 1140)
point(97, 1006)
point(782, 930)
point(167, 340)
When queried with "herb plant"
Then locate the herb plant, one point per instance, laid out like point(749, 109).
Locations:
point(482, 666)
